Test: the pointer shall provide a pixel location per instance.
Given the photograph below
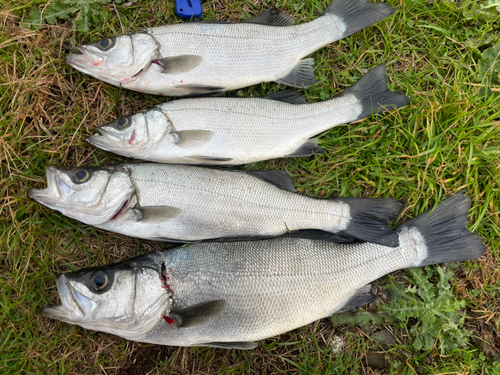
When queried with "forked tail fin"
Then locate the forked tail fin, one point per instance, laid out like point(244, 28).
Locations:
point(373, 95)
point(358, 14)
point(445, 234)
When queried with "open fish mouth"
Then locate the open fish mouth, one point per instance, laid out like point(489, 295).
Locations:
point(84, 59)
point(104, 139)
point(74, 305)
point(55, 191)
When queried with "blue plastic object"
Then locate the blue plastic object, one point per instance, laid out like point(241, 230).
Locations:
point(188, 8)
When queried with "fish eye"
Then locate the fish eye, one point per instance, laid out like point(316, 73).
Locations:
point(122, 123)
point(99, 281)
point(81, 176)
point(105, 44)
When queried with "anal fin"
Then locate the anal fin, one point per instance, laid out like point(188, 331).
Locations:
point(302, 76)
point(243, 345)
point(363, 296)
point(307, 149)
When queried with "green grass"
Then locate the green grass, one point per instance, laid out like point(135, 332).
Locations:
point(445, 141)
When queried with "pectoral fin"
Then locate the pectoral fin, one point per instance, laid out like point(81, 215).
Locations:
point(197, 314)
point(197, 90)
point(192, 138)
point(156, 214)
point(179, 64)
point(272, 17)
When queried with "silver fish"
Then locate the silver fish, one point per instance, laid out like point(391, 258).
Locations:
point(231, 131)
point(229, 295)
point(206, 57)
point(179, 203)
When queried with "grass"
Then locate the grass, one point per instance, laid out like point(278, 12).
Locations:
point(445, 141)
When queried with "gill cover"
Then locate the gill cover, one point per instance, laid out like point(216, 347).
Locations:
point(116, 60)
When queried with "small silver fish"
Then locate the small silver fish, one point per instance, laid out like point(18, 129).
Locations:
point(179, 203)
point(207, 57)
point(229, 295)
point(231, 131)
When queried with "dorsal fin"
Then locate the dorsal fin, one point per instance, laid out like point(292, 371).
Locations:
point(279, 178)
point(272, 17)
point(287, 96)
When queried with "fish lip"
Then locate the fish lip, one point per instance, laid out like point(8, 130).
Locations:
point(69, 310)
point(104, 139)
point(44, 196)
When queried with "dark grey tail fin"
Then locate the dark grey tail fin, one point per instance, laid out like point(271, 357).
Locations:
point(369, 219)
point(372, 92)
point(445, 233)
point(358, 14)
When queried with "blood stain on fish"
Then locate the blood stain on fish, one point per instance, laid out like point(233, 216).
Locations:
point(168, 319)
point(132, 139)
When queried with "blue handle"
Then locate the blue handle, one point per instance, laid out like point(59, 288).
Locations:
point(188, 8)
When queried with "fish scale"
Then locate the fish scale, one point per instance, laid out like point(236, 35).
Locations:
point(216, 204)
point(292, 281)
point(229, 295)
point(196, 58)
point(232, 131)
point(168, 202)
point(234, 47)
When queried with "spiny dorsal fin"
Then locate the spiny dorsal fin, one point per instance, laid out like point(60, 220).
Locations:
point(179, 64)
point(279, 178)
point(307, 149)
point(287, 96)
point(192, 138)
point(197, 314)
point(302, 76)
point(363, 296)
point(156, 214)
point(272, 17)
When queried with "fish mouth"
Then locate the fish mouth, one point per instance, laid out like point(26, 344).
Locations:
point(104, 139)
point(83, 59)
point(74, 305)
point(56, 189)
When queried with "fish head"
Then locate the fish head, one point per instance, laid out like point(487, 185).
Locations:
point(91, 195)
point(116, 60)
point(125, 299)
point(134, 135)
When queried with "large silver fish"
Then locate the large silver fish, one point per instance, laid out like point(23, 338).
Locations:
point(230, 131)
point(182, 203)
point(230, 295)
point(206, 57)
